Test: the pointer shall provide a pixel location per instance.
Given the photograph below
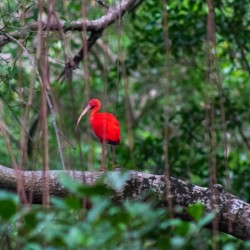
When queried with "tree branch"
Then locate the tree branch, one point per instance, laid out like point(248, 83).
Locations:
point(96, 27)
point(113, 14)
point(230, 210)
point(74, 62)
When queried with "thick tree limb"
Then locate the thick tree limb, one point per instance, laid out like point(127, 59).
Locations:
point(230, 210)
point(113, 14)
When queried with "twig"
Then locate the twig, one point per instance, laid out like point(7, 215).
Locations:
point(243, 136)
point(47, 96)
point(100, 2)
point(73, 64)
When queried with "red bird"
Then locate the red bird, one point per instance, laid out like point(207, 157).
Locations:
point(105, 126)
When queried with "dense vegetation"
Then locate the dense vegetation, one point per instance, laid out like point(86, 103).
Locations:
point(151, 71)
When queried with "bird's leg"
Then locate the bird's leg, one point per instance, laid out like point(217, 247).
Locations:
point(103, 157)
point(112, 149)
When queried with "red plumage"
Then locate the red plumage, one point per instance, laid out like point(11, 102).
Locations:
point(105, 126)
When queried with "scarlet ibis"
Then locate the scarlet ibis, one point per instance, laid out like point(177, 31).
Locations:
point(105, 126)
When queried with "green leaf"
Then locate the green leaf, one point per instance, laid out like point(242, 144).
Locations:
point(80, 189)
point(116, 180)
point(196, 210)
point(35, 14)
point(206, 219)
point(229, 246)
point(183, 228)
point(8, 205)
point(69, 202)
point(69, 183)
point(99, 206)
point(73, 203)
point(76, 236)
point(97, 189)
point(30, 219)
point(247, 244)
point(32, 246)
point(169, 223)
point(177, 241)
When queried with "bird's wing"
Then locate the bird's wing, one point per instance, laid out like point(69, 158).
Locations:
point(106, 127)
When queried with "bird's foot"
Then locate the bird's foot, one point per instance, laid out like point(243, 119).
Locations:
point(117, 168)
point(101, 168)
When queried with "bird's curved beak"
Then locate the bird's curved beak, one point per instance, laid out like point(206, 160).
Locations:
point(82, 114)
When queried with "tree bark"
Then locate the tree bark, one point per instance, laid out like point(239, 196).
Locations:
point(232, 214)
